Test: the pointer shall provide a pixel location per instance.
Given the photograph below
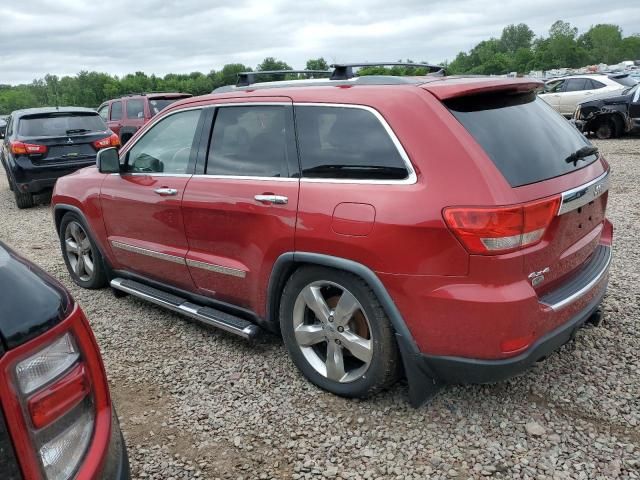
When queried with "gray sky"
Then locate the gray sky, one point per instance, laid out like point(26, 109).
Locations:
point(118, 36)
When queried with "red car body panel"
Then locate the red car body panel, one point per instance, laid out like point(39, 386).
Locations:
point(454, 303)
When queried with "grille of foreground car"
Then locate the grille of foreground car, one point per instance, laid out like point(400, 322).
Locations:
point(9, 469)
point(207, 315)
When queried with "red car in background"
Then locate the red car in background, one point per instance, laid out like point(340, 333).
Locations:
point(452, 225)
point(127, 114)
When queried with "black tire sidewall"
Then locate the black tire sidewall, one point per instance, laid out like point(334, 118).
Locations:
point(384, 348)
point(607, 125)
point(23, 199)
point(99, 278)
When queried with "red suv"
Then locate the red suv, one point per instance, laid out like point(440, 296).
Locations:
point(456, 225)
point(127, 114)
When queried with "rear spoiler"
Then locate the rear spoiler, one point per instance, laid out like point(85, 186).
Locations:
point(453, 87)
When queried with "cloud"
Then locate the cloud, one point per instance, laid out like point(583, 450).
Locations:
point(63, 37)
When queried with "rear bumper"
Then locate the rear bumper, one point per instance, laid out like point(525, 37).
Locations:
point(468, 370)
point(33, 178)
point(116, 466)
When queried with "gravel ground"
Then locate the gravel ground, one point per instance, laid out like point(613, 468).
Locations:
point(198, 403)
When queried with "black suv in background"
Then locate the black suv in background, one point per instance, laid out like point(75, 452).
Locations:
point(56, 417)
point(610, 116)
point(42, 144)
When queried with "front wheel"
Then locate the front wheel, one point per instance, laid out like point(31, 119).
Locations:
point(337, 333)
point(81, 255)
point(605, 129)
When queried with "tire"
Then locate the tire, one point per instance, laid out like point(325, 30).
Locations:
point(23, 199)
point(312, 342)
point(605, 129)
point(81, 255)
point(125, 138)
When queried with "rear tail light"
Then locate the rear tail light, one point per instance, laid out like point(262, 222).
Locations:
point(495, 230)
point(111, 141)
point(60, 403)
point(21, 148)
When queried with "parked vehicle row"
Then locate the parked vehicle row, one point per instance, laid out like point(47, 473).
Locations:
point(327, 215)
point(564, 93)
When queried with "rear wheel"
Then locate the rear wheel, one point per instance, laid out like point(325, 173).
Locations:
point(81, 255)
point(337, 333)
point(605, 129)
point(23, 199)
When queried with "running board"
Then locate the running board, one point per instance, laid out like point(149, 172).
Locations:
point(207, 315)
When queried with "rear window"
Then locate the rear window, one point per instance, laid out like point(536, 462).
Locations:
point(349, 143)
point(526, 139)
point(60, 124)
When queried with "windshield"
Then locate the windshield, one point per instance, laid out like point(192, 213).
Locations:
point(60, 124)
point(625, 80)
point(630, 90)
point(524, 137)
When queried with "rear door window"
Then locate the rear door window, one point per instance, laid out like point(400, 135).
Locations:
point(60, 124)
point(135, 109)
point(523, 136)
point(346, 143)
point(576, 84)
point(251, 141)
point(116, 111)
point(596, 84)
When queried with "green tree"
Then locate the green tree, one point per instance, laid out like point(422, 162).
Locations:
point(317, 64)
point(604, 43)
point(516, 37)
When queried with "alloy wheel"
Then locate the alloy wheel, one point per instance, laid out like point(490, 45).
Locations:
point(333, 332)
point(78, 251)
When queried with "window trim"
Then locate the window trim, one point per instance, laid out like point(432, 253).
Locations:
point(124, 154)
point(412, 177)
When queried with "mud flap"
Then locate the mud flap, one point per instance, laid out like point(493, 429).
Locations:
point(423, 385)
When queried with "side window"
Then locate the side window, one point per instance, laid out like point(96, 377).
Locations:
point(166, 147)
point(250, 141)
point(116, 110)
point(576, 84)
point(341, 142)
point(596, 84)
point(554, 87)
point(135, 108)
point(104, 112)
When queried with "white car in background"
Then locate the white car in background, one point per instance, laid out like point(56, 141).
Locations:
point(564, 94)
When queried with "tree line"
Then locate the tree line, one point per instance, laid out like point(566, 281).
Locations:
point(517, 50)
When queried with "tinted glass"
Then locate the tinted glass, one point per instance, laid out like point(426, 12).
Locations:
point(526, 139)
point(576, 84)
point(625, 80)
point(249, 141)
point(166, 147)
point(596, 84)
point(135, 109)
point(554, 87)
point(156, 105)
point(62, 124)
point(104, 112)
point(116, 111)
point(341, 142)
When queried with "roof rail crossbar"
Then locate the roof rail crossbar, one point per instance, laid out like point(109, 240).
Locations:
point(248, 78)
point(344, 71)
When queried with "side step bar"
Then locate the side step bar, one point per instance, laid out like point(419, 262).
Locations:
point(207, 315)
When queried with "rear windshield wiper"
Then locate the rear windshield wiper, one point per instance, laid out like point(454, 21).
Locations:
point(71, 131)
point(581, 153)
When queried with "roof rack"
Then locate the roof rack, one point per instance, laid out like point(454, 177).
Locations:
point(153, 92)
point(248, 78)
point(344, 71)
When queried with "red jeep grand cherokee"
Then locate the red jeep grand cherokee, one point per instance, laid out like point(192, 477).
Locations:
point(454, 224)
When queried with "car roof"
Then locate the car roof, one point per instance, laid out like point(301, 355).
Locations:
point(358, 91)
point(44, 110)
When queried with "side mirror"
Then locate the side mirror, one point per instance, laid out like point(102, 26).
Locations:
point(108, 161)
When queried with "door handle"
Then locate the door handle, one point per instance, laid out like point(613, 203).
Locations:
point(166, 192)
point(275, 199)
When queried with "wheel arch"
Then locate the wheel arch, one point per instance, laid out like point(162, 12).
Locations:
point(422, 384)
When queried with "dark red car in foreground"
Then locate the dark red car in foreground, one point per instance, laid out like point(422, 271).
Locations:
point(56, 417)
point(456, 225)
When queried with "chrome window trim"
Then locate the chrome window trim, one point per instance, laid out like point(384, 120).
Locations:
point(584, 290)
point(247, 177)
point(147, 252)
point(212, 267)
point(584, 194)
point(411, 179)
point(153, 174)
